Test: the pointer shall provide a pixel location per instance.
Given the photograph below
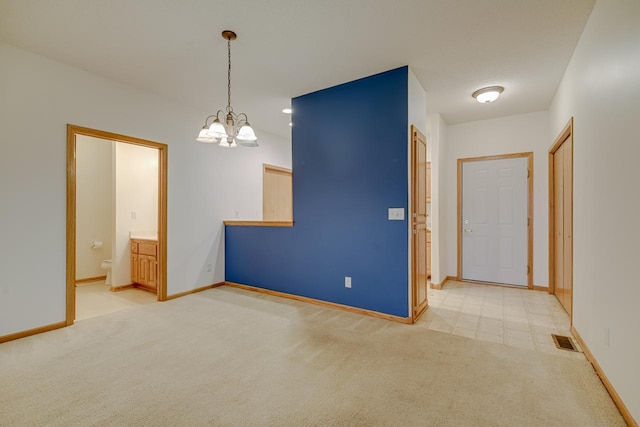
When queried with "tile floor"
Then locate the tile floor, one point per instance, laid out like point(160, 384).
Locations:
point(95, 299)
point(510, 316)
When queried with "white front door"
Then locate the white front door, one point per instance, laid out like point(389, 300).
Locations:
point(494, 221)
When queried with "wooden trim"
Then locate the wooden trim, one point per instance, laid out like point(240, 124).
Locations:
point(605, 381)
point(91, 279)
point(529, 155)
point(72, 131)
point(259, 223)
point(564, 135)
point(34, 331)
point(193, 291)
point(405, 320)
point(276, 169)
point(71, 227)
point(444, 282)
point(122, 288)
point(502, 285)
point(541, 288)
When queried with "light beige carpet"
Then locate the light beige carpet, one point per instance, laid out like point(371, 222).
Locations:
point(227, 357)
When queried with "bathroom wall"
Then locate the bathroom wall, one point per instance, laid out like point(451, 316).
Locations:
point(94, 204)
point(136, 202)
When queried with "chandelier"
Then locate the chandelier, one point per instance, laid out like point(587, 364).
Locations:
point(230, 129)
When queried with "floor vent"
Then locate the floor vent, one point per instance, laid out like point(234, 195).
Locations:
point(564, 343)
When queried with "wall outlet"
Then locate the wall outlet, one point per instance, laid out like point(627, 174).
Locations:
point(347, 282)
point(236, 214)
point(209, 267)
point(133, 214)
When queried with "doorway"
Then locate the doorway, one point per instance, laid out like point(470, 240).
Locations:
point(561, 218)
point(495, 219)
point(419, 230)
point(159, 215)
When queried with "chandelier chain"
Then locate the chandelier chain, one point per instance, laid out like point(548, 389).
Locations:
point(229, 109)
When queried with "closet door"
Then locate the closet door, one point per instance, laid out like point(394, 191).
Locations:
point(562, 221)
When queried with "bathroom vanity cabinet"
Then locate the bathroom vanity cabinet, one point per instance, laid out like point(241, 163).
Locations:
point(144, 263)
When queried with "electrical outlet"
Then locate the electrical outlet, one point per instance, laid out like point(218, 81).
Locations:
point(236, 214)
point(209, 267)
point(347, 282)
point(133, 214)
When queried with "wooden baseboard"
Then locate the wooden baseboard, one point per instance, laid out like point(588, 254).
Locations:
point(91, 279)
point(33, 331)
point(441, 285)
point(121, 288)
point(405, 320)
point(193, 291)
point(541, 288)
point(605, 381)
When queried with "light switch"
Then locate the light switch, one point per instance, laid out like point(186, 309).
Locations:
point(396, 214)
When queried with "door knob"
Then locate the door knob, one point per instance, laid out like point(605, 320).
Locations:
point(468, 230)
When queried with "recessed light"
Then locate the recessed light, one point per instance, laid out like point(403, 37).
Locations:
point(487, 94)
point(287, 110)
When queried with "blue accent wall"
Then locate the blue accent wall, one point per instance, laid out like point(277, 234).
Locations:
point(349, 166)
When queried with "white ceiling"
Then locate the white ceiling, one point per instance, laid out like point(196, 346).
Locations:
point(287, 48)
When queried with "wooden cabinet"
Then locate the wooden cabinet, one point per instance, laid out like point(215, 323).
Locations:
point(144, 263)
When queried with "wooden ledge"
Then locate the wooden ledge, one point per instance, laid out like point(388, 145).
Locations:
point(259, 223)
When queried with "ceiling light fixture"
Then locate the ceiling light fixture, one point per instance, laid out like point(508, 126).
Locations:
point(487, 94)
point(235, 129)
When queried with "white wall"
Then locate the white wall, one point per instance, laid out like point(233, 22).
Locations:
point(438, 149)
point(136, 191)
point(206, 183)
point(505, 135)
point(601, 90)
point(94, 204)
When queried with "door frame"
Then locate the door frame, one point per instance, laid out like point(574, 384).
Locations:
point(565, 134)
point(72, 131)
point(529, 156)
point(416, 311)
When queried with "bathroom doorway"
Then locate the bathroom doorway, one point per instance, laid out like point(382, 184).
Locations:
point(117, 184)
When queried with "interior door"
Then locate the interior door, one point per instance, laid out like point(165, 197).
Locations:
point(495, 221)
point(419, 222)
point(562, 216)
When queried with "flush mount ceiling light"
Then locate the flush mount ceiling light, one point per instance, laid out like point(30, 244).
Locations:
point(228, 129)
point(487, 94)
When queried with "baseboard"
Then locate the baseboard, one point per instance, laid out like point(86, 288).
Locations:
point(605, 381)
point(541, 288)
point(121, 288)
point(405, 320)
point(33, 331)
point(441, 284)
point(91, 279)
point(193, 291)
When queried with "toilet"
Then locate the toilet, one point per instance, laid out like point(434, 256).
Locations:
point(106, 265)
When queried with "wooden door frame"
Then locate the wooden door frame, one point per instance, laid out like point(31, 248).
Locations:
point(529, 156)
point(72, 131)
point(414, 133)
point(565, 134)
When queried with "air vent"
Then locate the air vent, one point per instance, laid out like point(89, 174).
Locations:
point(564, 343)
